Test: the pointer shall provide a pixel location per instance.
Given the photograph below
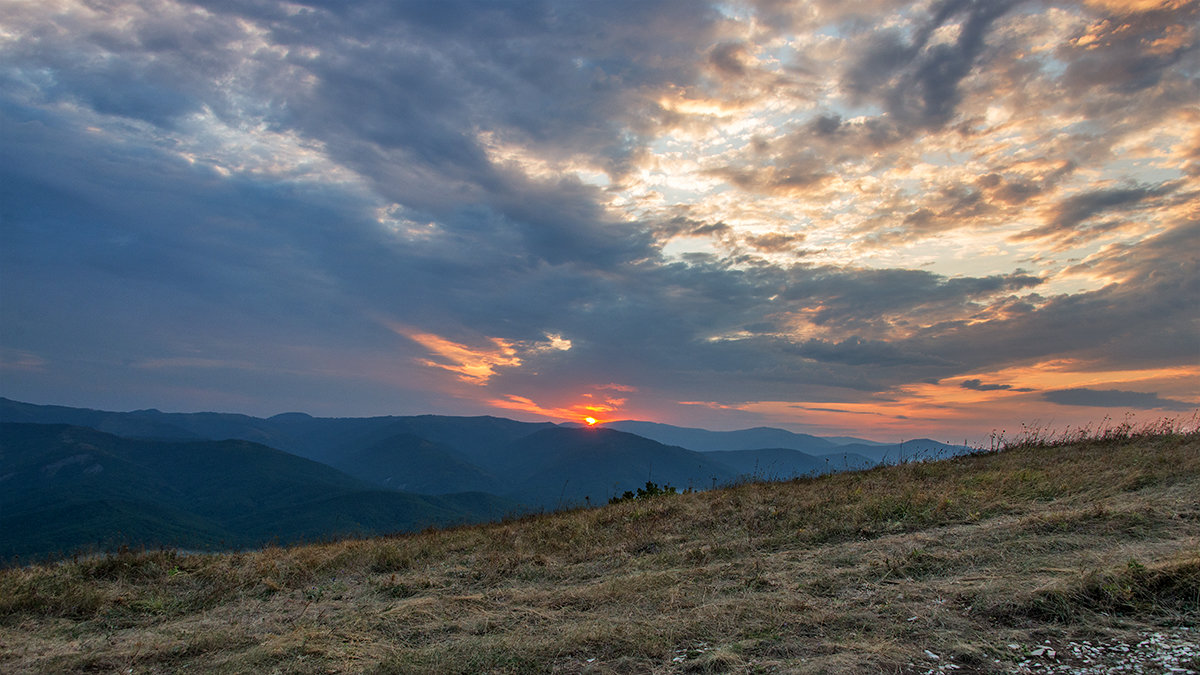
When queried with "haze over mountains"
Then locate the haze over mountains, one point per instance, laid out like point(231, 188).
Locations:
point(74, 478)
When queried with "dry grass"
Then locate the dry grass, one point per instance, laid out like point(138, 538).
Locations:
point(1081, 537)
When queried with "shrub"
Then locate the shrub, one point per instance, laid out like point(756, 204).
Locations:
point(650, 491)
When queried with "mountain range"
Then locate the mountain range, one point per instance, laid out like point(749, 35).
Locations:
point(76, 479)
point(66, 487)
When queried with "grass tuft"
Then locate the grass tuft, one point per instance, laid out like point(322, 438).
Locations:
point(1168, 588)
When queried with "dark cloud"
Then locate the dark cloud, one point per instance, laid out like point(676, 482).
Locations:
point(396, 91)
point(826, 125)
point(700, 323)
point(1133, 51)
point(859, 352)
point(845, 411)
point(797, 175)
point(1146, 321)
point(918, 82)
point(1114, 398)
point(1077, 209)
point(776, 242)
point(1075, 216)
point(729, 58)
point(979, 385)
point(953, 207)
point(710, 229)
point(854, 299)
point(1017, 190)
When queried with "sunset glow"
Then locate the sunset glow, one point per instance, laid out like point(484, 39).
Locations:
point(867, 218)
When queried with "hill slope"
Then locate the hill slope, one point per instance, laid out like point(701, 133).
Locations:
point(563, 466)
point(410, 463)
point(983, 562)
point(63, 488)
point(784, 463)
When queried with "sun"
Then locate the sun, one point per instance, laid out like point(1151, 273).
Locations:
point(591, 421)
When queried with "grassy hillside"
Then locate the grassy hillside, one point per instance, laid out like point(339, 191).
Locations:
point(983, 561)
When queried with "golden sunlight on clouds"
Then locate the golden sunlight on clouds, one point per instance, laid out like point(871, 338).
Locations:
point(538, 167)
point(1138, 5)
point(476, 366)
point(591, 412)
point(968, 404)
point(1066, 373)
point(597, 404)
point(680, 103)
point(738, 156)
point(1173, 39)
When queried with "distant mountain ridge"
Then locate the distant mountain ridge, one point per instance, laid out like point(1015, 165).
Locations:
point(320, 438)
point(785, 463)
point(481, 441)
point(64, 488)
point(323, 438)
point(840, 450)
point(203, 480)
point(703, 440)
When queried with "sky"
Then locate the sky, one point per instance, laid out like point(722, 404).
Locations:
point(844, 217)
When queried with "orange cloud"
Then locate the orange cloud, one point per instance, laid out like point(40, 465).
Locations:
point(474, 365)
point(948, 410)
point(573, 413)
point(477, 365)
point(710, 404)
point(1138, 5)
point(1067, 373)
point(15, 359)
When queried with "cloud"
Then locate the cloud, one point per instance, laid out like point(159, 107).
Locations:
point(1106, 327)
point(856, 299)
point(842, 411)
point(195, 362)
point(1068, 218)
point(919, 79)
point(1115, 398)
point(478, 365)
point(12, 359)
point(1134, 48)
point(572, 413)
point(974, 185)
point(729, 58)
point(859, 352)
point(1138, 5)
point(978, 385)
point(776, 242)
point(474, 365)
